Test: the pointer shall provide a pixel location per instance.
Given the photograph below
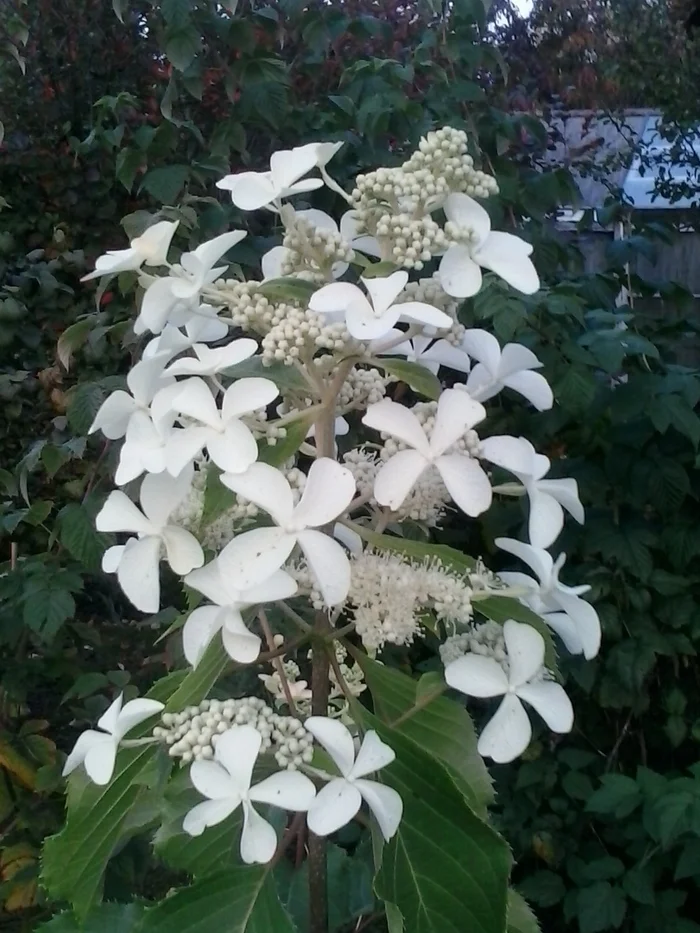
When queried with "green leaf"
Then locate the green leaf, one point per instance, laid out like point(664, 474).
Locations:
point(674, 410)
point(455, 560)
point(83, 404)
point(619, 796)
point(74, 861)
point(443, 728)
point(544, 888)
point(47, 606)
point(182, 46)
point(520, 917)
point(446, 870)
point(165, 184)
point(77, 533)
point(127, 166)
point(600, 907)
point(217, 497)
point(239, 900)
point(688, 862)
point(72, 339)
point(638, 883)
point(378, 270)
point(420, 379)
point(284, 377)
point(279, 453)
point(108, 918)
point(288, 289)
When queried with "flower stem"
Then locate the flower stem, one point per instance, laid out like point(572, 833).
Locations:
point(277, 663)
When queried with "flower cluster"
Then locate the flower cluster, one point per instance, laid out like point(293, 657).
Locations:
point(244, 493)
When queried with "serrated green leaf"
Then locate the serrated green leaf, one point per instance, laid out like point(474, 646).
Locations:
point(83, 404)
point(182, 46)
point(688, 865)
point(287, 288)
point(77, 533)
point(521, 919)
point(74, 861)
point(72, 339)
point(450, 557)
point(445, 870)
point(239, 900)
point(619, 795)
point(47, 606)
point(284, 377)
point(108, 918)
point(544, 888)
point(442, 728)
point(420, 379)
point(600, 907)
point(166, 183)
point(217, 497)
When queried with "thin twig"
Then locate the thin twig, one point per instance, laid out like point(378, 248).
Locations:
point(277, 662)
point(295, 617)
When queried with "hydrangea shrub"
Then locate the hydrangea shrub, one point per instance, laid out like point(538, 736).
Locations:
point(283, 440)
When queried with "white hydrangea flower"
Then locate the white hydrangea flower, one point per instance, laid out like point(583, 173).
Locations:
point(255, 555)
point(143, 381)
point(224, 616)
point(548, 497)
point(373, 317)
point(136, 563)
point(252, 190)
point(508, 733)
point(151, 249)
point(475, 246)
point(463, 476)
point(338, 802)
point(547, 595)
point(226, 783)
point(510, 368)
point(97, 751)
point(208, 362)
point(427, 352)
point(203, 326)
point(312, 244)
point(147, 435)
point(228, 441)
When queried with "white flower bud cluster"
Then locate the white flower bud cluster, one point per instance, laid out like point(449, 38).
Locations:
point(389, 593)
point(394, 204)
point(193, 733)
point(313, 251)
point(363, 387)
point(299, 334)
point(428, 500)
point(249, 309)
point(429, 291)
point(485, 639)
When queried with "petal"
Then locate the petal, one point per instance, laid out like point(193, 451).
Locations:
point(265, 486)
point(358, 237)
point(396, 478)
point(537, 559)
point(200, 627)
point(546, 518)
point(212, 780)
point(255, 555)
point(157, 305)
point(299, 187)
point(207, 814)
point(109, 719)
point(210, 253)
point(120, 514)
point(288, 790)
point(196, 401)
point(240, 644)
point(510, 453)
point(585, 618)
point(258, 839)
point(161, 494)
point(183, 551)
point(372, 756)
point(457, 413)
point(423, 313)
point(458, 274)
point(348, 538)
point(565, 491)
point(112, 557)
point(385, 803)
point(384, 291)
point(334, 806)
point(363, 324)
point(234, 450)
point(318, 219)
point(503, 253)
point(122, 260)
point(397, 421)
point(477, 676)
point(338, 296)
point(445, 354)
point(468, 213)
point(328, 563)
point(565, 628)
point(515, 358)
point(212, 583)
point(532, 386)
point(551, 702)
point(154, 242)
point(99, 761)
point(525, 648)
point(466, 483)
point(335, 738)
point(508, 733)
point(247, 395)
point(139, 575)
point(85, 742)
point(237, 750)
point(249, 190)
point(280, 585)
point(184, 445)
point(288, 165)
point(135, 712)
point(272, 262)
point(113, 415)
point(328, 491)
point(484, 347)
